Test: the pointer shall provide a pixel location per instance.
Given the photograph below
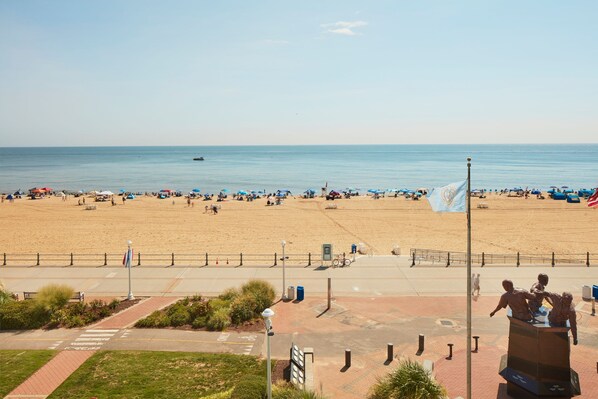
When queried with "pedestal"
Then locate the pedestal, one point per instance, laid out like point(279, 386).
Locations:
point(537, 363)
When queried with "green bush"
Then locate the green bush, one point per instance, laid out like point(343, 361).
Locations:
point(250, 387)
point(179, 317)
point(200, 322)
point(199, 309)
point(242, 309)
point(408, 381)
point(22, 315)
point(288, 391)
point(53, 296)
point(263, 293)
point(219, 320)
point(229, 294)
point(113, 304)
point(217, 303)
point(5, 295)
point(155, 320)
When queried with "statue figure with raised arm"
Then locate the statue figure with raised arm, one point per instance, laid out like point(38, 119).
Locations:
point(517, 299)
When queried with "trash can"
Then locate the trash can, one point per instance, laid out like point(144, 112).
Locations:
point(586, 292)
point(595, 291)
point(353, 248)
point(291, 293)
point(300, 293)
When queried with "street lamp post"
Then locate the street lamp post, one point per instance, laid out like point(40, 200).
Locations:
point(267, 314)
point(129, 257)
point(284, 295)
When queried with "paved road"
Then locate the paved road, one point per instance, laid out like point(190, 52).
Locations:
point(368, 276)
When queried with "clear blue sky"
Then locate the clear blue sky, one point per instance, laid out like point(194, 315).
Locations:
point(297, 72)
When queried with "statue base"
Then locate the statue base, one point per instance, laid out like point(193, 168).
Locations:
point(537, 364)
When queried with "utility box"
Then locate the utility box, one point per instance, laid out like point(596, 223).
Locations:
point(291, 293)
point(326, 252)
point(586, 292)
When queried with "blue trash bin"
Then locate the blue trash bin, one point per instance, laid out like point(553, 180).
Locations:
point(353, 248)
point(595, 291)
point(300, 293)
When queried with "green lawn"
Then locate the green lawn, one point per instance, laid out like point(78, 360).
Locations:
point(136, 374)
point(17, 366)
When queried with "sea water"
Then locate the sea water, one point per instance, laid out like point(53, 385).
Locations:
point(297, 168)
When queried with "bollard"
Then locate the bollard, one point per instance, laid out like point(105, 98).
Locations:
point(413, 258)
point(206, 258)
point(329, 292)
point(4, 262)
point(241, 259)
point(450, 356)
point(389, 352)
point(593, 307)
point(518, 263)
point(553, 259)
point(138, 258)
point(587, 259)
point(483, 259)
point(448, 259)
point(105, 258)
point(37, 259)
point(172, 263)
point(309, 259)
point(347, 358)
point(476, 338)
point(71, 259)
point(420, 348)
point(275, 259)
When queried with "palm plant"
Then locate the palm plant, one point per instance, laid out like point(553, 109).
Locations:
point(408, 381)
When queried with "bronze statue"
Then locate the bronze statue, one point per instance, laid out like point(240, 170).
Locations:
point(563, 310)
point(538, 291)
point(516, 298)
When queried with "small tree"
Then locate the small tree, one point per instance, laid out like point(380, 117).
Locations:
point(53, 296)
point(408, 381)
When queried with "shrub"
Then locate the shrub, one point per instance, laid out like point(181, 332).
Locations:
point(179, 317)
point(408, 381)
point(75, 321)
point(229, 294)
point(5, 295)
point(219, 320)
point(199, 309)
point(22, 315)
point(263, 293)
point(199, 322)
point(155, 320)
point(250, 387)
point(242, 309)
point(53, 296)
point(114, 304)
point(217, 304)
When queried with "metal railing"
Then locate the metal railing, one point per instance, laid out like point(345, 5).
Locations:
point(450, 258)
point(160, 259)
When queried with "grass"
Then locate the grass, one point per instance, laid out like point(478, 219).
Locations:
point(138, 374)
point(17, 365)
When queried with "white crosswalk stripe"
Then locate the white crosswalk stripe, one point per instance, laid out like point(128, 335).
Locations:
point(91, 339)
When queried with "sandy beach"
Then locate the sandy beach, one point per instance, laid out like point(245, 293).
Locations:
point(509, 225)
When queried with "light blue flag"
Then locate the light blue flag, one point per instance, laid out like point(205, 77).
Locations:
point(450, 198)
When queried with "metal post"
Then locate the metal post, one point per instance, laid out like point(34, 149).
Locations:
point(483, 259)
point(468, 288)
point(284, 294)
point(413, 258)
point(593, 307)
point(448, 259)
point(450, 356)
point(172, 263)
point(37, 259)
point(71, 259)
point(206, 258)
point(329, 292)
point(476, 338)
point(553, 259)
point(130, 296)
point(518, 263)
point(275, 259)
point(138, 258)
point(241, 259)
point(347, 358)
point(269, 367)
point(389, 352)
point(105, 258)
point(4, 262)
point(309, 259)
point(420, 347)
point(587, 259)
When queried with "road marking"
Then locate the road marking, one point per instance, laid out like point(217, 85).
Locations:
point(223, 337)
point(96, 335)
point(84, 343)
point(101, 331)
point(249, 337)
point(56, 345)
point(187, 340)
point(110, 275)
point(92, 339)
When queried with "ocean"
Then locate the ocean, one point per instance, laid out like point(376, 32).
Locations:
point(297, 168)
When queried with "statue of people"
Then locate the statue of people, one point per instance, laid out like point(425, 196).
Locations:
point(517, 299)
point(538, 291)
point(563, 310)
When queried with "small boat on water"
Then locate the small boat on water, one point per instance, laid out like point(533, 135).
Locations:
point(198, 159)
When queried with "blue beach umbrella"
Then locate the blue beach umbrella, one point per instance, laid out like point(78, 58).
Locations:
point(224, 190)
point(196, 190)
point(241, 192)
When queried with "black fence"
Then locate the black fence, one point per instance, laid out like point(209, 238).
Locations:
point(161, 259)
point(447, 258)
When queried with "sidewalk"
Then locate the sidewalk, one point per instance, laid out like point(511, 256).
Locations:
point(44, 381)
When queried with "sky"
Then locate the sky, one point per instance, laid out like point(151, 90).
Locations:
point(124, 72)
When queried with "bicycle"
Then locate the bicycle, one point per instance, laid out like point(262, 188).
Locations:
point(341, 260)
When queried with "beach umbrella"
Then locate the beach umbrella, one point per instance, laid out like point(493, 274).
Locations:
point(196, 190)
point(284, 191)
point(224, 190)
point(310, 191)
point(241, 192)
point(122, 190)
point(564, 186)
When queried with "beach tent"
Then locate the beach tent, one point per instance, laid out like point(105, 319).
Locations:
point(130, 196)
point(573, 199)
point(536, 192)
point(107, 192)
point(559, 196)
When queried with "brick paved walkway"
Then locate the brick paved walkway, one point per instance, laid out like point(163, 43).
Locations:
point(45, 380)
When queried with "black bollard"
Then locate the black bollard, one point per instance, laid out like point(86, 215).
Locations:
point(450, 356)
point(420, 348)
point(476, 337)
point(593, 307)
point(347, 358)
point(389, 351)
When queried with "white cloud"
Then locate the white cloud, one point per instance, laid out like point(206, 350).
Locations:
point(346, 28)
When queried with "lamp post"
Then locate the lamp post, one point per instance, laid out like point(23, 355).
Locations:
point(129, 258)
point(284, 295)
point(267, 314)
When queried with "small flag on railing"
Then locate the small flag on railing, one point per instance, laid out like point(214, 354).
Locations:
point(450, 198)
point(593, 200)
point(128, 258)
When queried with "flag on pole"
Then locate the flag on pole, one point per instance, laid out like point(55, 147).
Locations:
point(128, 258)
point(450, 198)
point(593, 200)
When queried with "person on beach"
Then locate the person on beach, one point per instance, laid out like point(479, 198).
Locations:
point(188, 202)
point(124, 199)
point(516, 299)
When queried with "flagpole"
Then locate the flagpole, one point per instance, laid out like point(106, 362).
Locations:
point(130, 297)
point(468, 292)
